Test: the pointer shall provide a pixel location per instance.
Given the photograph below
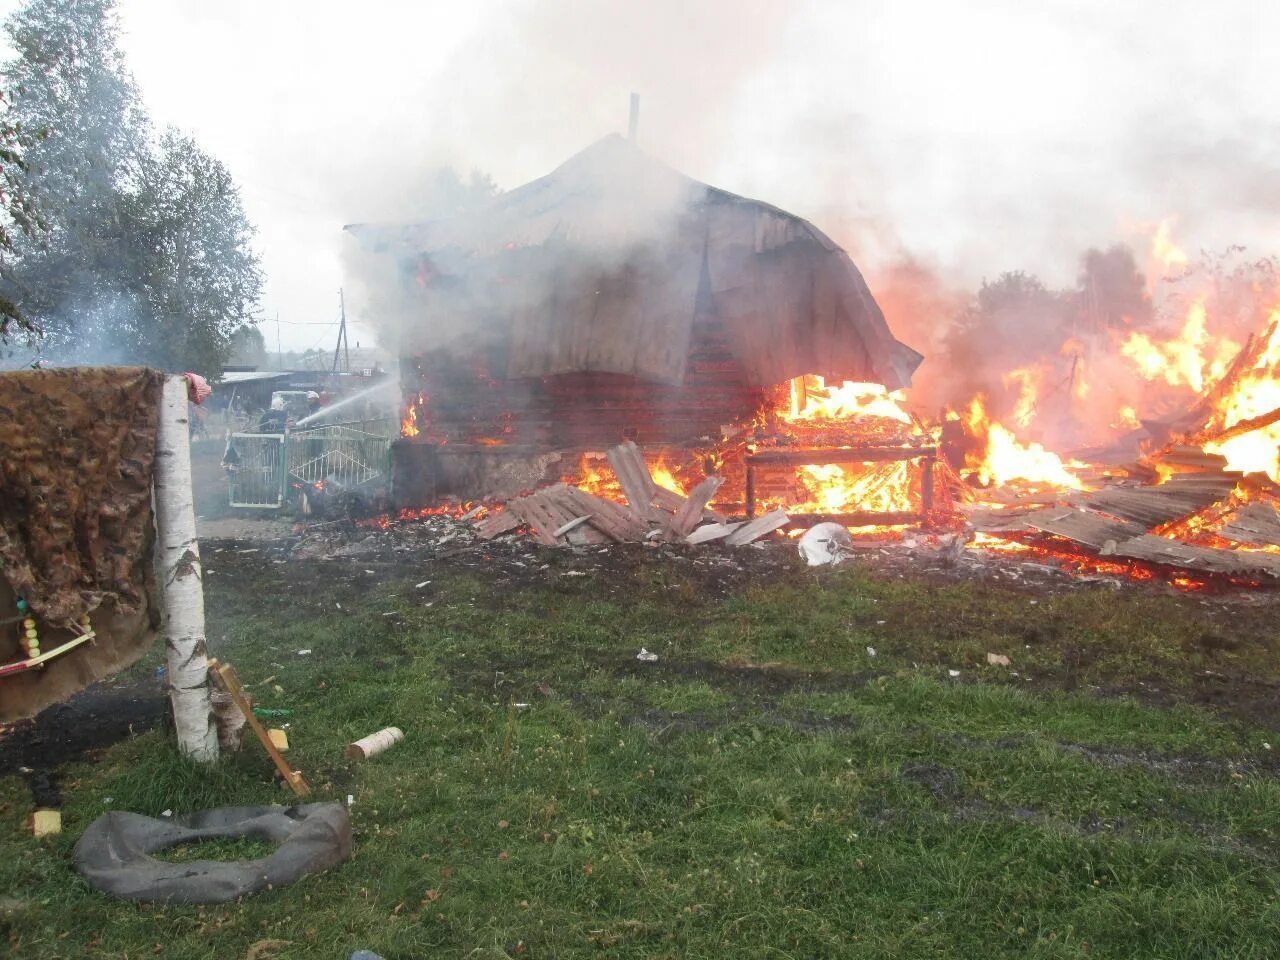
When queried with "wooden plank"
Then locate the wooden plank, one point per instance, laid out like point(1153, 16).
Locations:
point(1241, 428)
point(560, 504)
point(230, 682)
point(858, 518)
point(612, 519)
point(527, 509)
point(503, 521)
point(633, 475)
point(687, 517)
point(667, 500)
point(712, 531)
point(671, 501)
point(572, 525)
point(825, 455)
point(757, 528)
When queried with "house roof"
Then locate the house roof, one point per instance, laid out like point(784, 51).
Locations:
point(603, 264)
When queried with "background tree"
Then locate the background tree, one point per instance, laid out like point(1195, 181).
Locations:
point(148, 256)
point(20, 216)
point(248, 348)
point(1112, 292)
point(194, 274)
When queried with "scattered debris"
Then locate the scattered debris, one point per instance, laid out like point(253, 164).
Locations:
point(374, 743)
point(825, 544)
point(646, 656)
point(998, 660)
point(279, 738)
point(45, 823)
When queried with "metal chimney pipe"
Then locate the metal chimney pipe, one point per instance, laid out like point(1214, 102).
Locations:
point(634, 123)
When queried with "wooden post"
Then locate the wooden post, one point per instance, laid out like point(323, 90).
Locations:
point(230, 681)
point(181, 579)
point(926, 486)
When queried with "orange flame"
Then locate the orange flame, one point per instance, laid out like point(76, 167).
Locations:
point(884, 488)
point(1005, 458)
point(1163, 249)
point(1189, 359)
point(1254, 394)
point(812, 399)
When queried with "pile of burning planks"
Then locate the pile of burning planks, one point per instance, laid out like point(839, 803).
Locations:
point(566, 515)
point(1205, 518)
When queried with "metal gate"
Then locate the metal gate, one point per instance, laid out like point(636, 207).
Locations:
point(263, 468)
point(343, 456)
point(255, 469)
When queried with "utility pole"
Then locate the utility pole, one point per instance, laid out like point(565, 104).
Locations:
point(633, 121)
point(342, 346)
point(279, 351)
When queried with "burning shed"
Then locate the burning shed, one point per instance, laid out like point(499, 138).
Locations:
point(614, 298)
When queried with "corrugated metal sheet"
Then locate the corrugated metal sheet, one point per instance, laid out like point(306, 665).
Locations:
point(1255, 523)
point(1183, 495)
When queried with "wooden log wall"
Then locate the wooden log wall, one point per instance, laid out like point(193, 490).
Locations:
point(467, 402)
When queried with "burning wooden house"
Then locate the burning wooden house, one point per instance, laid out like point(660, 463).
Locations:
point(613, 299)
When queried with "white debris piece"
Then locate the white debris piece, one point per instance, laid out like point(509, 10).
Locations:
point(825, 544)
point(871, 651)
point(303, 653)
point(953, 673)
point(646, 656)
point(998, 660)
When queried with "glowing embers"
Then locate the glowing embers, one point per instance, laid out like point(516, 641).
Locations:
point(1064, 554)
point(457, 510)
point(858, 485)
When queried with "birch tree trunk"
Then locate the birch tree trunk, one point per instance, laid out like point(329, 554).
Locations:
point(181, 578)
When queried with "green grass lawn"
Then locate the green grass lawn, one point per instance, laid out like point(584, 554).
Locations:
point(768, 788)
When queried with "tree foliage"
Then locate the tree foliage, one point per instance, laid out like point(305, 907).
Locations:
point(20, 215)
point(148, 257)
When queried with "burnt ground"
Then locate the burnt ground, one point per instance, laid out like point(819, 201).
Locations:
point(1219, 644)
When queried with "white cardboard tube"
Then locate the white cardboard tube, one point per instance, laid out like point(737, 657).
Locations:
point(374, 743)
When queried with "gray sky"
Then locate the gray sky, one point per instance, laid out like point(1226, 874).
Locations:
point(980, 136)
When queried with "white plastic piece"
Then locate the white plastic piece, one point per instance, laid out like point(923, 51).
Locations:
point(825, 544)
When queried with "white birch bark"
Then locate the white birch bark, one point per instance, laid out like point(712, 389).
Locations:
point(181, 578)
